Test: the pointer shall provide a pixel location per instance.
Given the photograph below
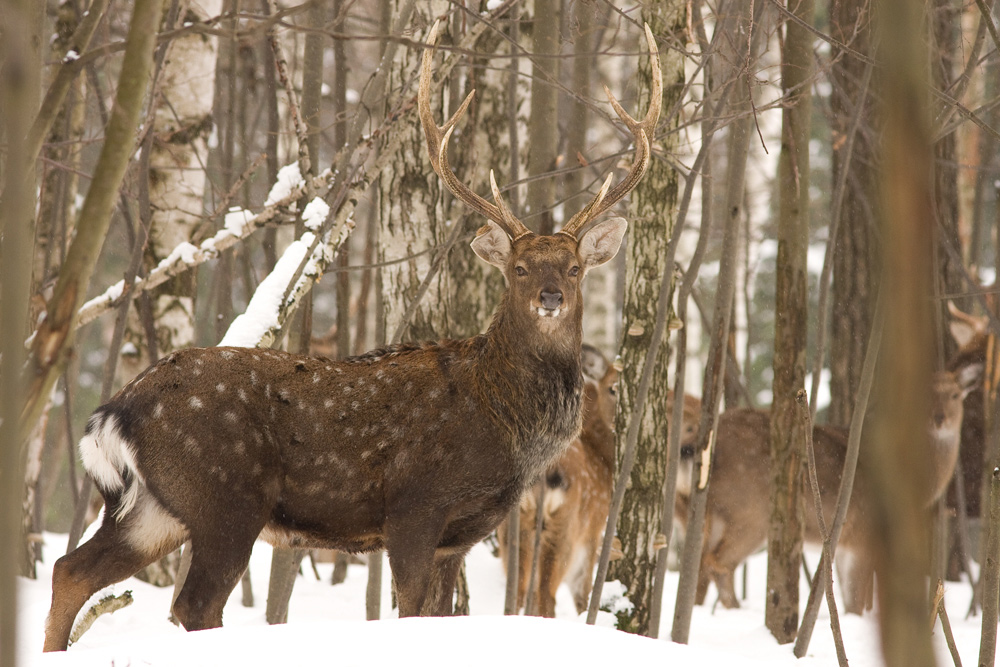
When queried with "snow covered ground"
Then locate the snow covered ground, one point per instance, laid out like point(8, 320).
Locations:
point(326, 626)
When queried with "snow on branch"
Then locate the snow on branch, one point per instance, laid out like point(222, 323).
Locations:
point(269, 308)
point(239, 224)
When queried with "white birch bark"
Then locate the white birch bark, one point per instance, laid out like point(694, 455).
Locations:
point(183, 123)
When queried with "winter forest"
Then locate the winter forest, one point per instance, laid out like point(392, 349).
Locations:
point(812, 197)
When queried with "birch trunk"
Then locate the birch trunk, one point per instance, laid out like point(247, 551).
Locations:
point(182, 125)
point(652, 215)
point(416, 213)
point(543, 130)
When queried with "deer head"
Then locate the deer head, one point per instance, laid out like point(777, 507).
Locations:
point(543, 272)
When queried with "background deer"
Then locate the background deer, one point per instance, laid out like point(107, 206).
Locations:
point(417, 449)
point(577, 494)
point(738, 509)
point(972, 335)
point(577, 497)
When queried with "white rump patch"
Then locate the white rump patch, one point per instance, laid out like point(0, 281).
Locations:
point(105, 454)
point(151, 529)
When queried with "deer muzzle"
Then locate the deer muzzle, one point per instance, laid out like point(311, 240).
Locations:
point(551, 303)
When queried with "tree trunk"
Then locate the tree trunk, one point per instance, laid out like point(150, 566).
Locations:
point(855, 253)
point(898, 455)
point(543, 129)
point(177, 183)
point(19, 85)
point(652, 217)
point(412, 216)
point(788, 432)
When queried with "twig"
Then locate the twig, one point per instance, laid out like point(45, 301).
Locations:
point(281, 65)
point(826, 563)
point(942, 612)
point(536, 547)
point(989, 578)
point(847, 478)
point(109, 604)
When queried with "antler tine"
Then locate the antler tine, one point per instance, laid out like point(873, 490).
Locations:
point(437, 147)
point(512, 222)
point(642, 131)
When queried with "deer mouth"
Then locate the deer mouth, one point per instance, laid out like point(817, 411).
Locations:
point(548, 312)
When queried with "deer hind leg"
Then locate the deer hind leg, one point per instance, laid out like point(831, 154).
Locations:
point(857, 573)
point(441, 590)
point(582, 578)
point(218, 561)
point(118, 550)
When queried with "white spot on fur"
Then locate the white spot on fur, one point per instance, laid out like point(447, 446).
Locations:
point(221, 387)
point(195, 403)
point(242, 394)
point(328, 403)
point(158, 410)
point(253, 377)
point(226, 354)
point(231, 416)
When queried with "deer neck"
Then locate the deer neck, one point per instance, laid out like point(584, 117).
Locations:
point(532, 379)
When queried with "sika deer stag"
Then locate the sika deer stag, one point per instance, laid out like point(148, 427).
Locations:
point(738, 509)
point(418, 449)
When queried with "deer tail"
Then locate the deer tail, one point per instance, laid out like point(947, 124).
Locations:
point(109, 458)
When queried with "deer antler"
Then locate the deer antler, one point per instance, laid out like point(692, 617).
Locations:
point(437, 147)
point(642, 131)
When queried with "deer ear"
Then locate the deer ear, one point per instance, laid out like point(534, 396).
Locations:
point(961, 332)
point(969, 377)
point(601, 242)
point(492, 245)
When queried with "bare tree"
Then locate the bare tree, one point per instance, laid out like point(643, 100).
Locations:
point(855, 254)
point(788, 432)
point(653, 214)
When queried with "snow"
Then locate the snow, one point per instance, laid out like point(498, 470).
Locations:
point(237, 220)
point(289, 178)
point(326, 625)
point(261, 315)
point(315, 214)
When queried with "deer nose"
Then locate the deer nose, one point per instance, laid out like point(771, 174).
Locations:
point(551, 300)
point(938, 419)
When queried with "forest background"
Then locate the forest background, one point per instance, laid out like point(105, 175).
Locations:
point(802, 147)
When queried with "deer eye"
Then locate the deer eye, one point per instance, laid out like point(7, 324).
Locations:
point(520, 270)
point(574, 271)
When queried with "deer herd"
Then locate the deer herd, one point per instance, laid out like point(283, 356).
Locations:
point(423, 449)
